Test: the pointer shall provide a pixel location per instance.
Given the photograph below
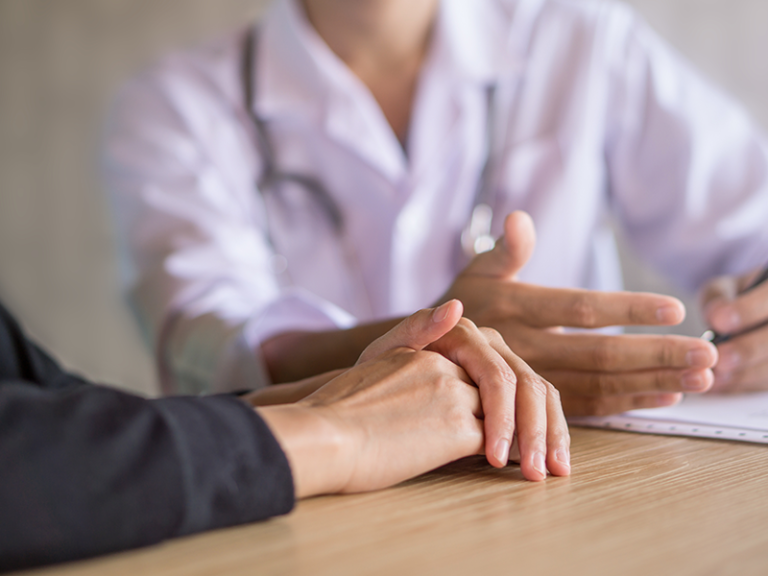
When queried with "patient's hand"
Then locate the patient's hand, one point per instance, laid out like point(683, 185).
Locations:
point(743, 364)
point(408, 410)
point(596, 374)
point(514, 398)
point(289, 393)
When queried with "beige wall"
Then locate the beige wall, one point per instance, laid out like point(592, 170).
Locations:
point(60, 62)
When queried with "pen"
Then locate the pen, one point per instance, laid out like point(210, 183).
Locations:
point(716, 338)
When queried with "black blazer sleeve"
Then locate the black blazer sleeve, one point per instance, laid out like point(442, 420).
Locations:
point(87, 470)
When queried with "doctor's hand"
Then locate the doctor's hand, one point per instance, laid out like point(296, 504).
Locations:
point(596, 374)
point(731, 309)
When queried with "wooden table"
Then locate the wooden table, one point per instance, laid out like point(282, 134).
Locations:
point(635, 504)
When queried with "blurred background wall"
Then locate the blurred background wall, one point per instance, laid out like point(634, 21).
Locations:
point(60, 64)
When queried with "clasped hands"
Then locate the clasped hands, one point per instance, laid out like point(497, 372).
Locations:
point(434, 389)
point(450, 389)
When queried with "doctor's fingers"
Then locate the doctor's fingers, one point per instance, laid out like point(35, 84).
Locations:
point(551, 351)
point(542, 307)
point(641, 382)
point(748, 310)
point(512, 250)
point(752, 378)
point(606, 405)
point(485, 357)
point(742, 363)
point(743, 351)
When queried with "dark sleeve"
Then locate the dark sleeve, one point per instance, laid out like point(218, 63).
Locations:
point(87, 470)
point(21, 360)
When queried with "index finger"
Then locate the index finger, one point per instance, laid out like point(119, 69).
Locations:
point(617, 353)
point(545, 307)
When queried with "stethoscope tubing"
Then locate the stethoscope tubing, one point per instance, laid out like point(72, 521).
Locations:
point(476, 236)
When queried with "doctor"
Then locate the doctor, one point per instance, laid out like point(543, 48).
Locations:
point(287, 193)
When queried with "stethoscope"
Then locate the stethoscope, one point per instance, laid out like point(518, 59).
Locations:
point(476, 237)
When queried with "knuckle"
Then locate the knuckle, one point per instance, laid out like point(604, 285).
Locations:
point(660, 381)
point(491, 334)
point(553, 392)
point(462, 332)
point(457, 414)
point(636, 314)
point(583, 312)
point(430, 360)
point(497, 380)
point(505, 420)
point(505, 373)
point(538, 432)
point(664, 354)
point(560, 436)
point(537, 386)
point(445, 385)
point(603, 355)
point(604, 385)
point(411, 326)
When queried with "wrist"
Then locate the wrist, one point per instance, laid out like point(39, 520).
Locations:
point(319, 450)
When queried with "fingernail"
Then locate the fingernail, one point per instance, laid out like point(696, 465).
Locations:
point(693, 381)
point(729, 360)
point(502, 451)
point(441, 312)
point(668, 315)
point(699, 358)
point(539, 463)
point(727, 321)
point(564, 457)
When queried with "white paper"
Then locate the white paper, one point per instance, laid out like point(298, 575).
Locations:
point(742, 418)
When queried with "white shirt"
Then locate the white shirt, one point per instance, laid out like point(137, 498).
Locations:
point(601, 120)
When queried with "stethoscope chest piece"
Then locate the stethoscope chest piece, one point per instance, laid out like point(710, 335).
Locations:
point(476, 237)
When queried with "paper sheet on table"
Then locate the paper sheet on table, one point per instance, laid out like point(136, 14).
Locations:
point(743, 418)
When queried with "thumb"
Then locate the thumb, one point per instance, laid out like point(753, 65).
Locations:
point(417, 331)
point(512, 251)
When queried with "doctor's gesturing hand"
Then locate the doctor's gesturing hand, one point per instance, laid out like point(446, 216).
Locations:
point(735, 308)
point(596, 374)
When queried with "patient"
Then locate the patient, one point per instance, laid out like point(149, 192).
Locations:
point(89, 470)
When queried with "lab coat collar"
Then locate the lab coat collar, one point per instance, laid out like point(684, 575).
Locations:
point(299, 74)
point(475, 43)
point(287, 77)
point(475, 37)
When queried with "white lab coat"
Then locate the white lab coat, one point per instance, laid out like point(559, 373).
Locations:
point(602, 120)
